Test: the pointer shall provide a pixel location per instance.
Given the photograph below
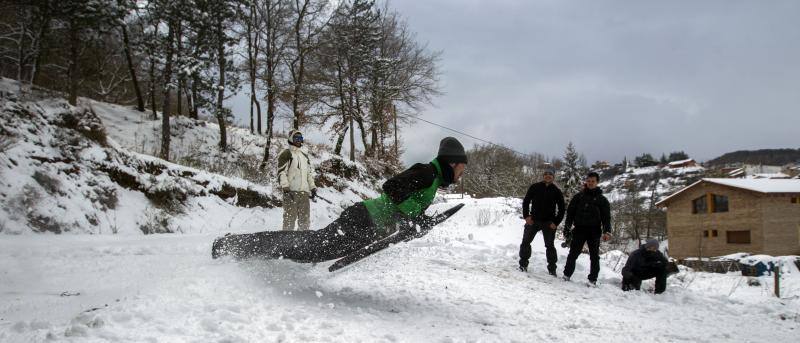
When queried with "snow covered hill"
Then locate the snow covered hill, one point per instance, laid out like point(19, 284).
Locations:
point(457, 284)
point(85, 170)
point(645, 180)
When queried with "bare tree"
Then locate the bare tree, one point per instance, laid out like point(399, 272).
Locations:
point(498, 171)
point(167, 85)
point(276, 29)
point(308, 21)
point(123, 26)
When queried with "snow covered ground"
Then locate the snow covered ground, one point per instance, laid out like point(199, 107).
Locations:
point(458, 284)
point(105, 281)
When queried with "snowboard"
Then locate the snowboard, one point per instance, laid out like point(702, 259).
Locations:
point(416, 231)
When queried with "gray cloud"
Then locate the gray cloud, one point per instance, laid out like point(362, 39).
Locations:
point(618, 78)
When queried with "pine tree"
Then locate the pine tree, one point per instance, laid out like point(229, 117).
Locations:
point(571, 176)
point(678, 156)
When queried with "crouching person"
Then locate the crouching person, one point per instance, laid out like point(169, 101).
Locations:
point(643, 264)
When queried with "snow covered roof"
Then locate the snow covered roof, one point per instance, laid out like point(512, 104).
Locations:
point(771, 176)
point(736, 172)
point(766, 186)
point(677, 163)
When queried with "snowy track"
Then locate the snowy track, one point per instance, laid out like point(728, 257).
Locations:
point(444, 287)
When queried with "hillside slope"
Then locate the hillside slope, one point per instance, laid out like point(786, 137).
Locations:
point(772, 157)
point(77, 169)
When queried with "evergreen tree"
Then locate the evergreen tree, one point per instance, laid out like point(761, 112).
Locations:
point(572, 172)
point(678, 156)
point(645, 160)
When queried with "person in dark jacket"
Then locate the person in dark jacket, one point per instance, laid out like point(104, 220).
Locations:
point(405, 198)
point(590, 212)
point(643, 264)
point(543, 210)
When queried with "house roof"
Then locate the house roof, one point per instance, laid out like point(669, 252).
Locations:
point(677, 163)
point(736, 172)
point(771, 176)
point(765, 186)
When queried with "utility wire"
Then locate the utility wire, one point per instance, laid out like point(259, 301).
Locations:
point(464, 134)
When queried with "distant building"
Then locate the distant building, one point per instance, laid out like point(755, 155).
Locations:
point(600, 165)
point(682, 163)
point(753, 169)
point(770, 176)
point(714, 217)
point(792, 169)
point(756, 171)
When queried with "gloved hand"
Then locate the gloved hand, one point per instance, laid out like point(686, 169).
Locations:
point(288, 193)
point(567, 237)
point(313, 193)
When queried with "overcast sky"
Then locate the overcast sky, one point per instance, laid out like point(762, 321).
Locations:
point(617, 78)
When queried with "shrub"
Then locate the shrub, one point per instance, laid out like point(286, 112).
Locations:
point(154, 221)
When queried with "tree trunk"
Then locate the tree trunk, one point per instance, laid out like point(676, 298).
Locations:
point(165, 129)
point(179, 98)
point(352, 141)
point(73, 64)
point(396, 146)
point(252, 107)
point(299, 74)
point(132, 70)
point(181, 80)
point(189, 102)
point(251, 68)
point(270, 117)
point(340, 142)
point(373, 147)
point(37, 59)
point(223, 140)
point(360, 123)
point(258, 116)
point(21, 52)
point(195, 90)
point(153, 86)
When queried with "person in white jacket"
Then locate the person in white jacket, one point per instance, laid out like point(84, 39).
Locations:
point(296, 178)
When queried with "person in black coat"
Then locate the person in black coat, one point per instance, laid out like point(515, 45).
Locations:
point(543, 209)
point(590, 212)
point(643, 264)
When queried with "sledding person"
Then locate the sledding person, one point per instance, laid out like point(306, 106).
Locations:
point(590, 212)
point(296, 178)
point(405, 197)
point(643, 264)
point(543, 210)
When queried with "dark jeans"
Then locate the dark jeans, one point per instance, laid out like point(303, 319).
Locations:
point(353, 230)
point(590, 237)
point(633, 279)
point(527, 237)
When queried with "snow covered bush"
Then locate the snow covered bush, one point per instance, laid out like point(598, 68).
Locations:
point(486, 216)
point(6, 142)
point(50, 184)
point(154, 221)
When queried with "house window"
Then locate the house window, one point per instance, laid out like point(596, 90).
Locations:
point(738, 237)
point(795, 200)
point(714, 233)
point(700, 205)
point(705, 233)
point(720, 203)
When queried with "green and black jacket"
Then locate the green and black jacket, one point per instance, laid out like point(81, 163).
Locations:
point(406, 195)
